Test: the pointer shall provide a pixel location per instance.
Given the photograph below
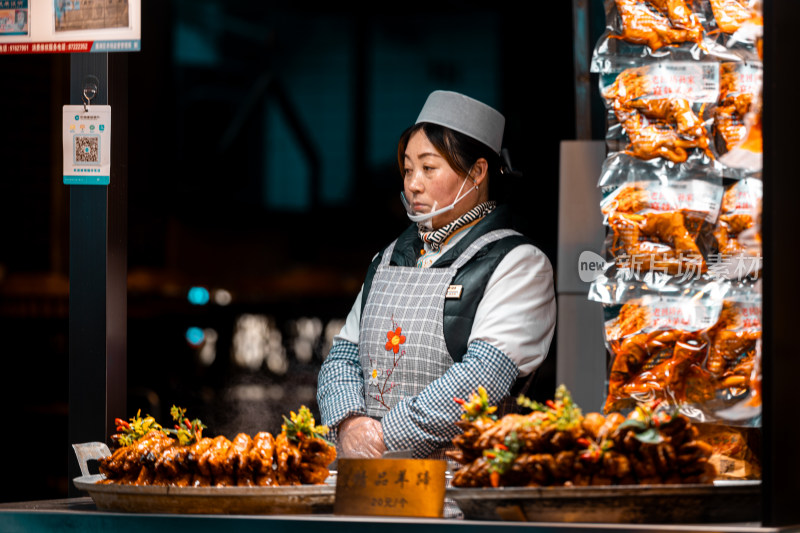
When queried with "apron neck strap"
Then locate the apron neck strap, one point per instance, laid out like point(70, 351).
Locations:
point(471, 250)
point(479, 243)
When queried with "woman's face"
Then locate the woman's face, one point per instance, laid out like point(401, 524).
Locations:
point(430, 183)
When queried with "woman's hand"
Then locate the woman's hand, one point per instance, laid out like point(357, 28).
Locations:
point(361, 437)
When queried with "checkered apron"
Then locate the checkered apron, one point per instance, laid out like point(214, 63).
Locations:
point(401, 342)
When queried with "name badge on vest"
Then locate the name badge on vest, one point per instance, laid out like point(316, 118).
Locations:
point(454, 292)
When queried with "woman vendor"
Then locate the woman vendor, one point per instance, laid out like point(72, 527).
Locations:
point(459, 300)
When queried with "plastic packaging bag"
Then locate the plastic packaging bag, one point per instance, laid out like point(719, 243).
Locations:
point(737, 234)
point(637, 30)
point(656, 224)
point(659, 110)
point(728, 386)
point(734, 450)
point(735, 118)
point(691, 345)
point(736, 24)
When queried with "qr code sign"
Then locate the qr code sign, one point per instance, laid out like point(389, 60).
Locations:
point(87, 149)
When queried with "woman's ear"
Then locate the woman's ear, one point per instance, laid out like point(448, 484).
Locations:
point(480, 171)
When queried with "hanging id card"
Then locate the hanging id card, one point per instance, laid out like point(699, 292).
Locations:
point(87, 144)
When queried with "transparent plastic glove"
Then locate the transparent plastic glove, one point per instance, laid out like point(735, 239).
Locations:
point(361, 437)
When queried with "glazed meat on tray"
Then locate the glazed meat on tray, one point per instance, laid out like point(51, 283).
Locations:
point(298, 455)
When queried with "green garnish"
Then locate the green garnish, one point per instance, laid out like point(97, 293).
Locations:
point(138, 427)
point(301, 425)
point(646, 420)
point(477, 407)
point(502, 456)
point(186, 431)
point(561, 413)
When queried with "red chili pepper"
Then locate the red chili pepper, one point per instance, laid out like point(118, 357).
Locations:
point(501, 446)
point(177, 426)
point(550, 403)
point(491, 455)
point(120, 428)
point(584, 442)
point(459, 401)
point(121, 422)
point(188, 423)
point(590, 456)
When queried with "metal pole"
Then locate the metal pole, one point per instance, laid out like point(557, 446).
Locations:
point(583, 105)
point(98, 269)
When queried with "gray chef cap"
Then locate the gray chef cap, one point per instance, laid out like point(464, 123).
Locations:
point(464, 115)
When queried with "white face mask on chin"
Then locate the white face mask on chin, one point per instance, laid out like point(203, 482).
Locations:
point(426, 219)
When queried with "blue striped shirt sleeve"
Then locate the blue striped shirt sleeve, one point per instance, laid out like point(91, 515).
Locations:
point(427, 421)
point(340, 385)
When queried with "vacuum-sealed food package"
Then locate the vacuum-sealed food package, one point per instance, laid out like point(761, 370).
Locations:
point(660, 225)
point(737, 234)
point(693, 345)
point(659, 110)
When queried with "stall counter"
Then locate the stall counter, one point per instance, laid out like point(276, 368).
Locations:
point(80, 514)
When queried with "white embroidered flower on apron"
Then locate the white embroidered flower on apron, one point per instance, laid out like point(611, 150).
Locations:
point(373, 374)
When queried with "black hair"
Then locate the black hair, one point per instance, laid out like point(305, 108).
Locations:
point(459, 150)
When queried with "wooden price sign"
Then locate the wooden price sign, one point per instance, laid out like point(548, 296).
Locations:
point(390, 487)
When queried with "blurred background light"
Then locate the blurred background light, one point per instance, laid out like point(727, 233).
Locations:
point(308, 331)
point(250, 338)
point(222, 297)
point(198, 296)
point(208, 352)
point(195, 336)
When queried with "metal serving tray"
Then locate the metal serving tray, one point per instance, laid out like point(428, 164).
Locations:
point(726, 501)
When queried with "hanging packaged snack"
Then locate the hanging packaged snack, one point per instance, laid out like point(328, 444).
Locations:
point(737, 234)
point(692, 345)
point(744, 155)
point(745, 158)
point(737, 24)
point(657, 111)
point(728, 386)
point(654, 335)
point(740, 88)
point(658, 23)
point(656, 224)
point(637, 29)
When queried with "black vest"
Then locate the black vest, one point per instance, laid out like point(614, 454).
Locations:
point(459, 314)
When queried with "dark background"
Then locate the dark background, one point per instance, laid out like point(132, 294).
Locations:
point(262, 163)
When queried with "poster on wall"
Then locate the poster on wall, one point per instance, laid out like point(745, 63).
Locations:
point(13, 17)
point(69, 26)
